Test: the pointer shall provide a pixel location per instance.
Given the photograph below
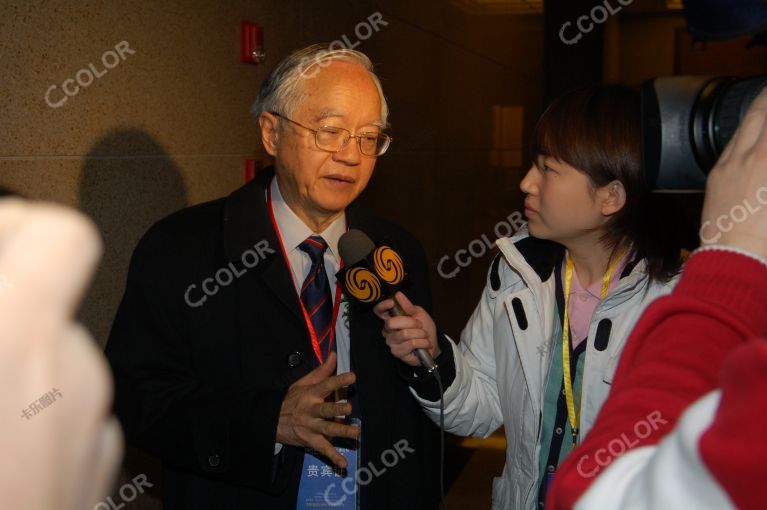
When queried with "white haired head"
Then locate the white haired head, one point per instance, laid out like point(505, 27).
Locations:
point(283, 89)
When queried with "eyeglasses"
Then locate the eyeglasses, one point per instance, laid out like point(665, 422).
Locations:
point(334, 139)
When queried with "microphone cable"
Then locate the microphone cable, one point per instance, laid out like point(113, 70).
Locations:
point(438, 378)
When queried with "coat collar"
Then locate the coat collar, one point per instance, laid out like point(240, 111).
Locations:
point(535, 261)
point(246, 223)
point(541, 256)
point(246, 218)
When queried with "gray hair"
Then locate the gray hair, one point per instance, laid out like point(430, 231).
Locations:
point(281, 91)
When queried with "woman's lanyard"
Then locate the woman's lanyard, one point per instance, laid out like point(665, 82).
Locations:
point(307, 319)
point(571, 414)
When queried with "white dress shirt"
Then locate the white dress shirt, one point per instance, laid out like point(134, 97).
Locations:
point(293, 232)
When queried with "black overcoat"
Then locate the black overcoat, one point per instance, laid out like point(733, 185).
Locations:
point(200, 385)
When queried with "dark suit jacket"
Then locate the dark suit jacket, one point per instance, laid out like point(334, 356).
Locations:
point(201, 386)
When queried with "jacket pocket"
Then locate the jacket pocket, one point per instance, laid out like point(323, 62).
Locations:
point(612, 354)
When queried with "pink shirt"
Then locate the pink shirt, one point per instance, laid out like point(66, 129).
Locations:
point(583, 302)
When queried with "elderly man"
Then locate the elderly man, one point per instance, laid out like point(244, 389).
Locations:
point(231, 330)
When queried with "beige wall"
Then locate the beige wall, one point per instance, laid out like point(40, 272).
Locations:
point(169, 125)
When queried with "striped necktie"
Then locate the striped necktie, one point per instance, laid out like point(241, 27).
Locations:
point(315, 292)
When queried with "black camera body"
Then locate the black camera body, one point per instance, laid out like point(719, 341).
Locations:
point(687, 122)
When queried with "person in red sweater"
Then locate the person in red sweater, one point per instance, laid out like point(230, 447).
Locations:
point(702, 345)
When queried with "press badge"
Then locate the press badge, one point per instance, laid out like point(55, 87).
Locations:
point(323, 485)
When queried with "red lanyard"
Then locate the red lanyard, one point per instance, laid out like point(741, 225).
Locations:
point(307, 319)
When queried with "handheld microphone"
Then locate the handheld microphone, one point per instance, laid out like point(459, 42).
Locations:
point(373, 273)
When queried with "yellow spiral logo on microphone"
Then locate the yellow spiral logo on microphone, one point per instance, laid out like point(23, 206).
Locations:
point(363, 285)
point(388, 265)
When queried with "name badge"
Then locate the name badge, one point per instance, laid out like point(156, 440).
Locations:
point(324, 485)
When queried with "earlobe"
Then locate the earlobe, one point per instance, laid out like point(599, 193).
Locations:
point(269, 132)
point(615, 199)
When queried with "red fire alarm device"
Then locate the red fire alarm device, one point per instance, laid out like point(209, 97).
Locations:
point(252, 43)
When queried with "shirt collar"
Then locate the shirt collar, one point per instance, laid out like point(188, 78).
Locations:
point(294, 231)
point(595, 289)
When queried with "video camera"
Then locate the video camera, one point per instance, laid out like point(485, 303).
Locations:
point(687, 121)
point(686, 124)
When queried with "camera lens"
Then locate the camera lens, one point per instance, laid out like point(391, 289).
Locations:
point(687, 122)
point(732, 107)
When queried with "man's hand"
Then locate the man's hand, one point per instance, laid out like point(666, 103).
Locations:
point(59, 452)
point(735, 208)
point(405, 334)
point(306, 419)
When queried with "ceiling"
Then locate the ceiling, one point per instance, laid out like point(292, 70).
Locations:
point(512, 7)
